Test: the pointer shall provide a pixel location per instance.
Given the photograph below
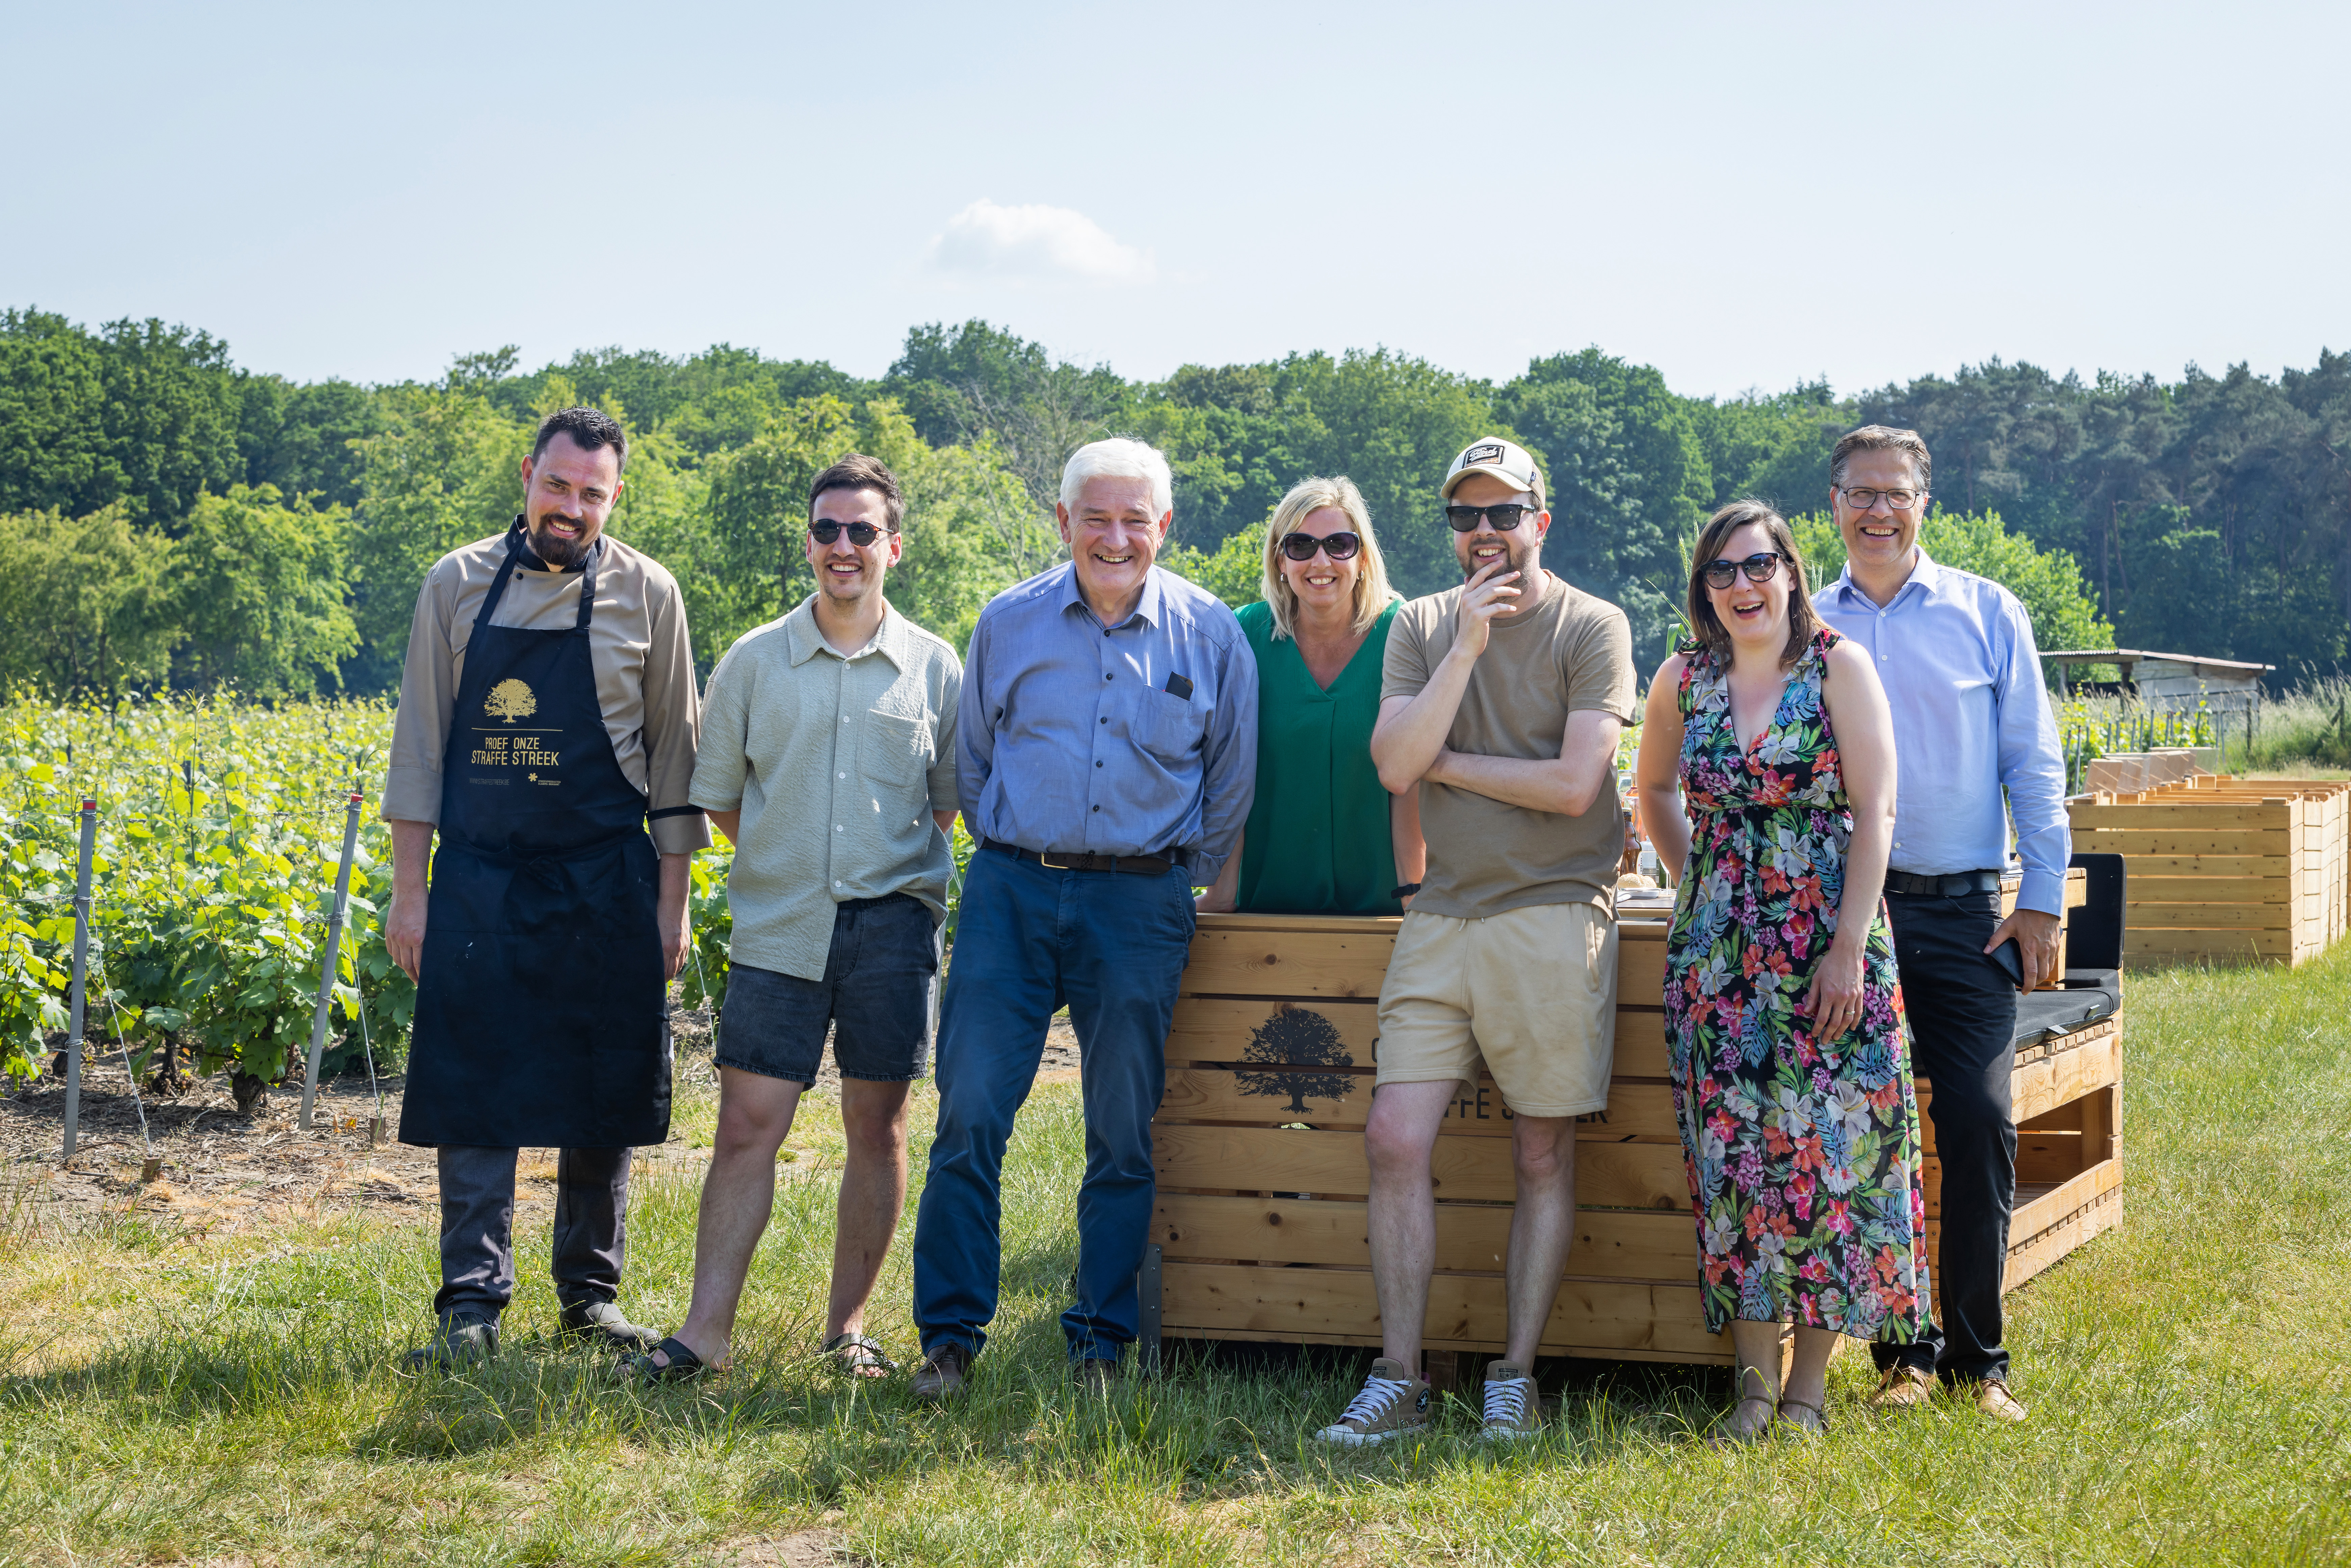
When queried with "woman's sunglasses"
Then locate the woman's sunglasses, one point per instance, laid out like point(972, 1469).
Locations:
point(1758, 568)
point(860, 534)
point(1505, 516)
point(1339, 546)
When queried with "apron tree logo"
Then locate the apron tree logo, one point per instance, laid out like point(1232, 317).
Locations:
point(510, 700)
point(1296, 1035)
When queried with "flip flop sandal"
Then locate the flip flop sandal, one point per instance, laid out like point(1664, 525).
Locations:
point(683, 1365)
point(855, 1355)
point(1730, 1437)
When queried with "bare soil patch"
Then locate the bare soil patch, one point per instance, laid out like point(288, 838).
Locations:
point(222, 1170)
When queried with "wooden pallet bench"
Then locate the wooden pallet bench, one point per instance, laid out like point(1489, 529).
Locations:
point(1259, 1231)
point(2226, 870)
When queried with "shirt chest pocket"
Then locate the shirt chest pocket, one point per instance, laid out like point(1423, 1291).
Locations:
point(1169, 727)
point(895, 751)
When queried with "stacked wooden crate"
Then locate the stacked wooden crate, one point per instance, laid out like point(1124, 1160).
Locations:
point(1260, 1217)
point(2227, 870)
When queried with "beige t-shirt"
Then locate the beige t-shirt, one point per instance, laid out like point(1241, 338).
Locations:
point(1571, 650)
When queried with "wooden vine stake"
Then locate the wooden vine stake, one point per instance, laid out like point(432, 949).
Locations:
point(80, 977)
point(326, 969)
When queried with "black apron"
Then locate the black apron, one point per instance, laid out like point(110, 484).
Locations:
point(541, 1008)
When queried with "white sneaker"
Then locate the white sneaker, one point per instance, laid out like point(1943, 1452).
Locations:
point(1394, 1403)
point(1512, 1411)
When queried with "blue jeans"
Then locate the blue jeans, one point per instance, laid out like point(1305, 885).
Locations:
point(1112, 947)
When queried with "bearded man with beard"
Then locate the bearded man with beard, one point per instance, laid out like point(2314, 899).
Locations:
point(1500, 702)
point(548, 716)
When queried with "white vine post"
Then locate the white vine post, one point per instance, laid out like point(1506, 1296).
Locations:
point(326, 969)
point(80, 977)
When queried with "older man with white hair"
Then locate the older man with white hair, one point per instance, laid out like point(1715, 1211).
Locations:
point(1107, 756)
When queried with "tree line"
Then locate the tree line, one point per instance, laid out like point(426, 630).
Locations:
point(171, 518)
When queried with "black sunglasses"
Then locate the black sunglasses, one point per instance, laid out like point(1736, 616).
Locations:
point(1339, 546)
point(1505, 513)
point(860, 534)
point(1761, 568)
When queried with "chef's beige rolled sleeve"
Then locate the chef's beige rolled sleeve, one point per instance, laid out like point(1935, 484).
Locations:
point(638, 649)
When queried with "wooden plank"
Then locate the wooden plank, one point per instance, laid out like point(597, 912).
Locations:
point(2043, 1085)
point(2184, 842)
point(2183, 815)
point(2153, 917)
point(1273, 1159)
point(1641, 963)
point(2263, 867)
point(1228, 1029)
point(2057, 1222)
point(1464, 1310)
point(1611, 1244)
point(2152, 889)
point(1214, 1029)
point(1641, 1043)
point(2218, 946)
point(1328, 1099)
point(1343, 923)
point(1297, 964)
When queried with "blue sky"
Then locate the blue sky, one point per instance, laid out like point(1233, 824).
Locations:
point(1744, 195)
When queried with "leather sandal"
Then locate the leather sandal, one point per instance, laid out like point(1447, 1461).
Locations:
point(1727, 1437)
point(1798, 1426)
point(682, 1364)
point(855, 1355)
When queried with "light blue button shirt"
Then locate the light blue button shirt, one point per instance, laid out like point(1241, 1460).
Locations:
point(1069, 739)
point(1972, 719)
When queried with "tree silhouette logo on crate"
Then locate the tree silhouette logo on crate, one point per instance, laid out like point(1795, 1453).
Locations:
point(1296, 1036)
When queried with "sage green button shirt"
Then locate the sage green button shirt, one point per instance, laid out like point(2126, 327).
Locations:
point(836, 764)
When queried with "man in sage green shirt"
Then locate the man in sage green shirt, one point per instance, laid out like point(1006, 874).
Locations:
point(827, 759)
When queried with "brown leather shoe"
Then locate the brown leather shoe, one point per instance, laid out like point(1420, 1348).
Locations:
point(1902, 1388)
point(1994, 1400)
point(940, 1377)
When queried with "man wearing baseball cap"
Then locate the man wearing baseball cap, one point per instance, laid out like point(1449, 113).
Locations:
point(1501, 702)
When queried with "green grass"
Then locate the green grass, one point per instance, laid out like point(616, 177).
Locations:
point(169, 1399)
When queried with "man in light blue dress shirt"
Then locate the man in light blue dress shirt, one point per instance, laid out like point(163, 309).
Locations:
point(1971, 726)
point(1107, 755)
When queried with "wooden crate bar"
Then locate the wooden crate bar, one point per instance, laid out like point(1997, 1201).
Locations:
point(1260, 1217)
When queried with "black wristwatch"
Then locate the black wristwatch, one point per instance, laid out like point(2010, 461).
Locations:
point(1406, 891)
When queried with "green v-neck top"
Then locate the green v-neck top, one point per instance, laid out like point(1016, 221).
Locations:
point(1318, 840)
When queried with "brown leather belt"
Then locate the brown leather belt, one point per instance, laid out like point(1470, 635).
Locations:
point(1053, 860)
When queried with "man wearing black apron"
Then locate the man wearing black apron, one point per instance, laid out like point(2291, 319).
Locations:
point(554, 922)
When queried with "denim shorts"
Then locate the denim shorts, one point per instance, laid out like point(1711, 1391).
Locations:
point(875, 994)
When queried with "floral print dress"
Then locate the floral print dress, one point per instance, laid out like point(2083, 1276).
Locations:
point(1804, 1155)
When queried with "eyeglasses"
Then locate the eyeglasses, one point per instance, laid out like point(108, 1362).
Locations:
point(1339, 546)
point(1505, 516)
point(1758, 568)
point(860, 534)
point(1897, 500)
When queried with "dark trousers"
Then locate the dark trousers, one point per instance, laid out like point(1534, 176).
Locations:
point(1112, 947)
point(1962, 1007)
point(477, 1187)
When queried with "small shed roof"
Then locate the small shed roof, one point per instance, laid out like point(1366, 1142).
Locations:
point(2229, 670)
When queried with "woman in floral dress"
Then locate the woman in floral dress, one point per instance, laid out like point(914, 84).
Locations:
point(1783, 1017)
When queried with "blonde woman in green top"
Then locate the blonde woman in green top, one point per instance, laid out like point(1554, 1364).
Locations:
point(1324, 836)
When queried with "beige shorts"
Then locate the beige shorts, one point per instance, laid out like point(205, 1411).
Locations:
point(1533, 991)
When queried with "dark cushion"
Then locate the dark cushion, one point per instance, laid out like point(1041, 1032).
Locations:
point(2088, 995)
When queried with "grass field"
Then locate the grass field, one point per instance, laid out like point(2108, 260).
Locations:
point(169, 1399)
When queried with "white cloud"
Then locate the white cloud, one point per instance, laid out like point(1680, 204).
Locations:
point(1035, 241)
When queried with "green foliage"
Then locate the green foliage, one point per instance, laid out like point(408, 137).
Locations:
point(86, 606)
point(209, 906)
point(257, 590)
point(1234, 572)
point(2048, 583)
